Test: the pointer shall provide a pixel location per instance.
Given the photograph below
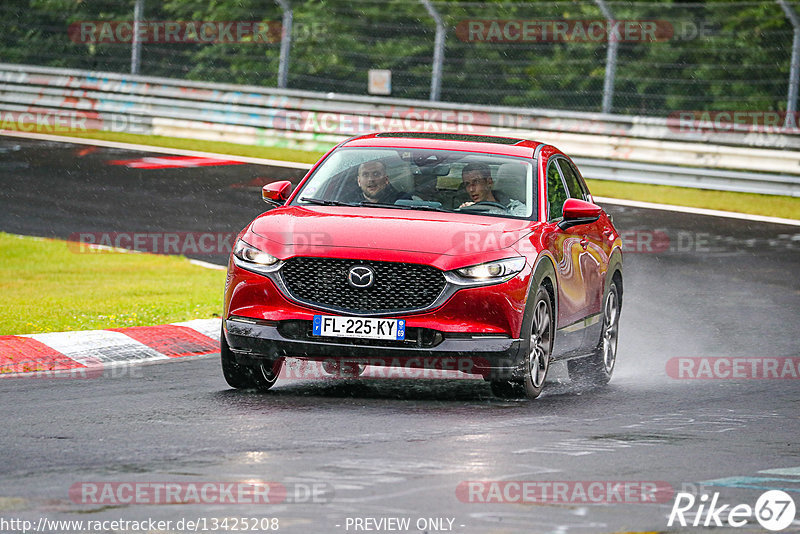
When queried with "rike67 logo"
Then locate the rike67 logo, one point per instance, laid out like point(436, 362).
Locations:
point(774, 510)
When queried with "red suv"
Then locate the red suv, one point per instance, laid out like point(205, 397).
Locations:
point(476, 253)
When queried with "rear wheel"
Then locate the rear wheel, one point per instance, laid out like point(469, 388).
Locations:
point(260, 376)
point(540, 349)
point(596, 369)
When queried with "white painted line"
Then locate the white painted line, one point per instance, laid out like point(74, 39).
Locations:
point(791, 471)
point(207, 327)
point(697, 211)
point(152, 148)
point(208, 265)
point(98, 347)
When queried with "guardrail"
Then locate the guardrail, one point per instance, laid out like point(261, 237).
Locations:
point(611, 147)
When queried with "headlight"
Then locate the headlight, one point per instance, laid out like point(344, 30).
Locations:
point(494, 271)
point(254, 259)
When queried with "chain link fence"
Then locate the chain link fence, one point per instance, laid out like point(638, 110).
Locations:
point(665, 56)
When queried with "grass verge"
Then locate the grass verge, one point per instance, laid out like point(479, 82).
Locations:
point(770, 205)
point(49, 287)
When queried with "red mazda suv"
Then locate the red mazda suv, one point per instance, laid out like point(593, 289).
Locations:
point(480, 254)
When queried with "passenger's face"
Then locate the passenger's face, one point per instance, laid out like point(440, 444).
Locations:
point(372, 179)
point(478, 187)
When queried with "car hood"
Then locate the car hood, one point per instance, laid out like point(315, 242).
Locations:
point(427, 232)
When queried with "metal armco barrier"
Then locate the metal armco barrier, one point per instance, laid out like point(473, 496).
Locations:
point(612, 147)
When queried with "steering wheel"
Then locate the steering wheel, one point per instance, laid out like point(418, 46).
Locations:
point(487, 203)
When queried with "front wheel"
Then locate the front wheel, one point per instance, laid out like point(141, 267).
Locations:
point(540, 349)
point(596, 369)
point(259, 376)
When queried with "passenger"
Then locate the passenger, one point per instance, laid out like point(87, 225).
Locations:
point(477, 179)
point(374, 184)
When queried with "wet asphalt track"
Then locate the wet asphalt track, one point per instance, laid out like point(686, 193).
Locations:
point(723, 288)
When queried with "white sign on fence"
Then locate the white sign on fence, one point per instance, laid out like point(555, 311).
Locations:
point(380, 82)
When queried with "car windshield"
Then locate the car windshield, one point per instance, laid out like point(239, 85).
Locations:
point(421, 179)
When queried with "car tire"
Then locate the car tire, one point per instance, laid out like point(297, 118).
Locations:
point(596, 369)
point(539, 353)
point(239, 376)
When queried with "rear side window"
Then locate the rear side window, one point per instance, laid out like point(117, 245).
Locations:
point(574, 185)
point(556, 194)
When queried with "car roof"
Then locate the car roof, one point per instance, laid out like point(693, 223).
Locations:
point(505, 146)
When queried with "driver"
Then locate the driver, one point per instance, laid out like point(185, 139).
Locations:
point(375, 186)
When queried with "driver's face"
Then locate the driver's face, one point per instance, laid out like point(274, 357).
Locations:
point(372, 179)
point(478, 187)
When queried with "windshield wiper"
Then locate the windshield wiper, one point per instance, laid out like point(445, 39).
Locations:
point(429, 206)
point(324, 202)
point(435, 206)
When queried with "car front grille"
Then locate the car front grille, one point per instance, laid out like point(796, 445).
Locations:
point(397, 287)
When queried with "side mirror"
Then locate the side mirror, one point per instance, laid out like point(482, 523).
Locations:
point(577, 212)
point(277, 192)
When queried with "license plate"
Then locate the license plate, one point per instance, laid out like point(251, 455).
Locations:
point(359, 327)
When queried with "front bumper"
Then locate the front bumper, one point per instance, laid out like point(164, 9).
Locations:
point(476, 354)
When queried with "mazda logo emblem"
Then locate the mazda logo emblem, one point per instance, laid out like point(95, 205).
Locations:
point(361, 276)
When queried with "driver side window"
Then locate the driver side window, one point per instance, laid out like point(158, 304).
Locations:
point(556, 193)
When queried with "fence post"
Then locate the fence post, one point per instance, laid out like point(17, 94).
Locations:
point(136, 43)
point(794, 71)
point(611, 59)
point(286, 42)
point(438, 52)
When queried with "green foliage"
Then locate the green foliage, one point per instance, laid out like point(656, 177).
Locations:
point(723, 55)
